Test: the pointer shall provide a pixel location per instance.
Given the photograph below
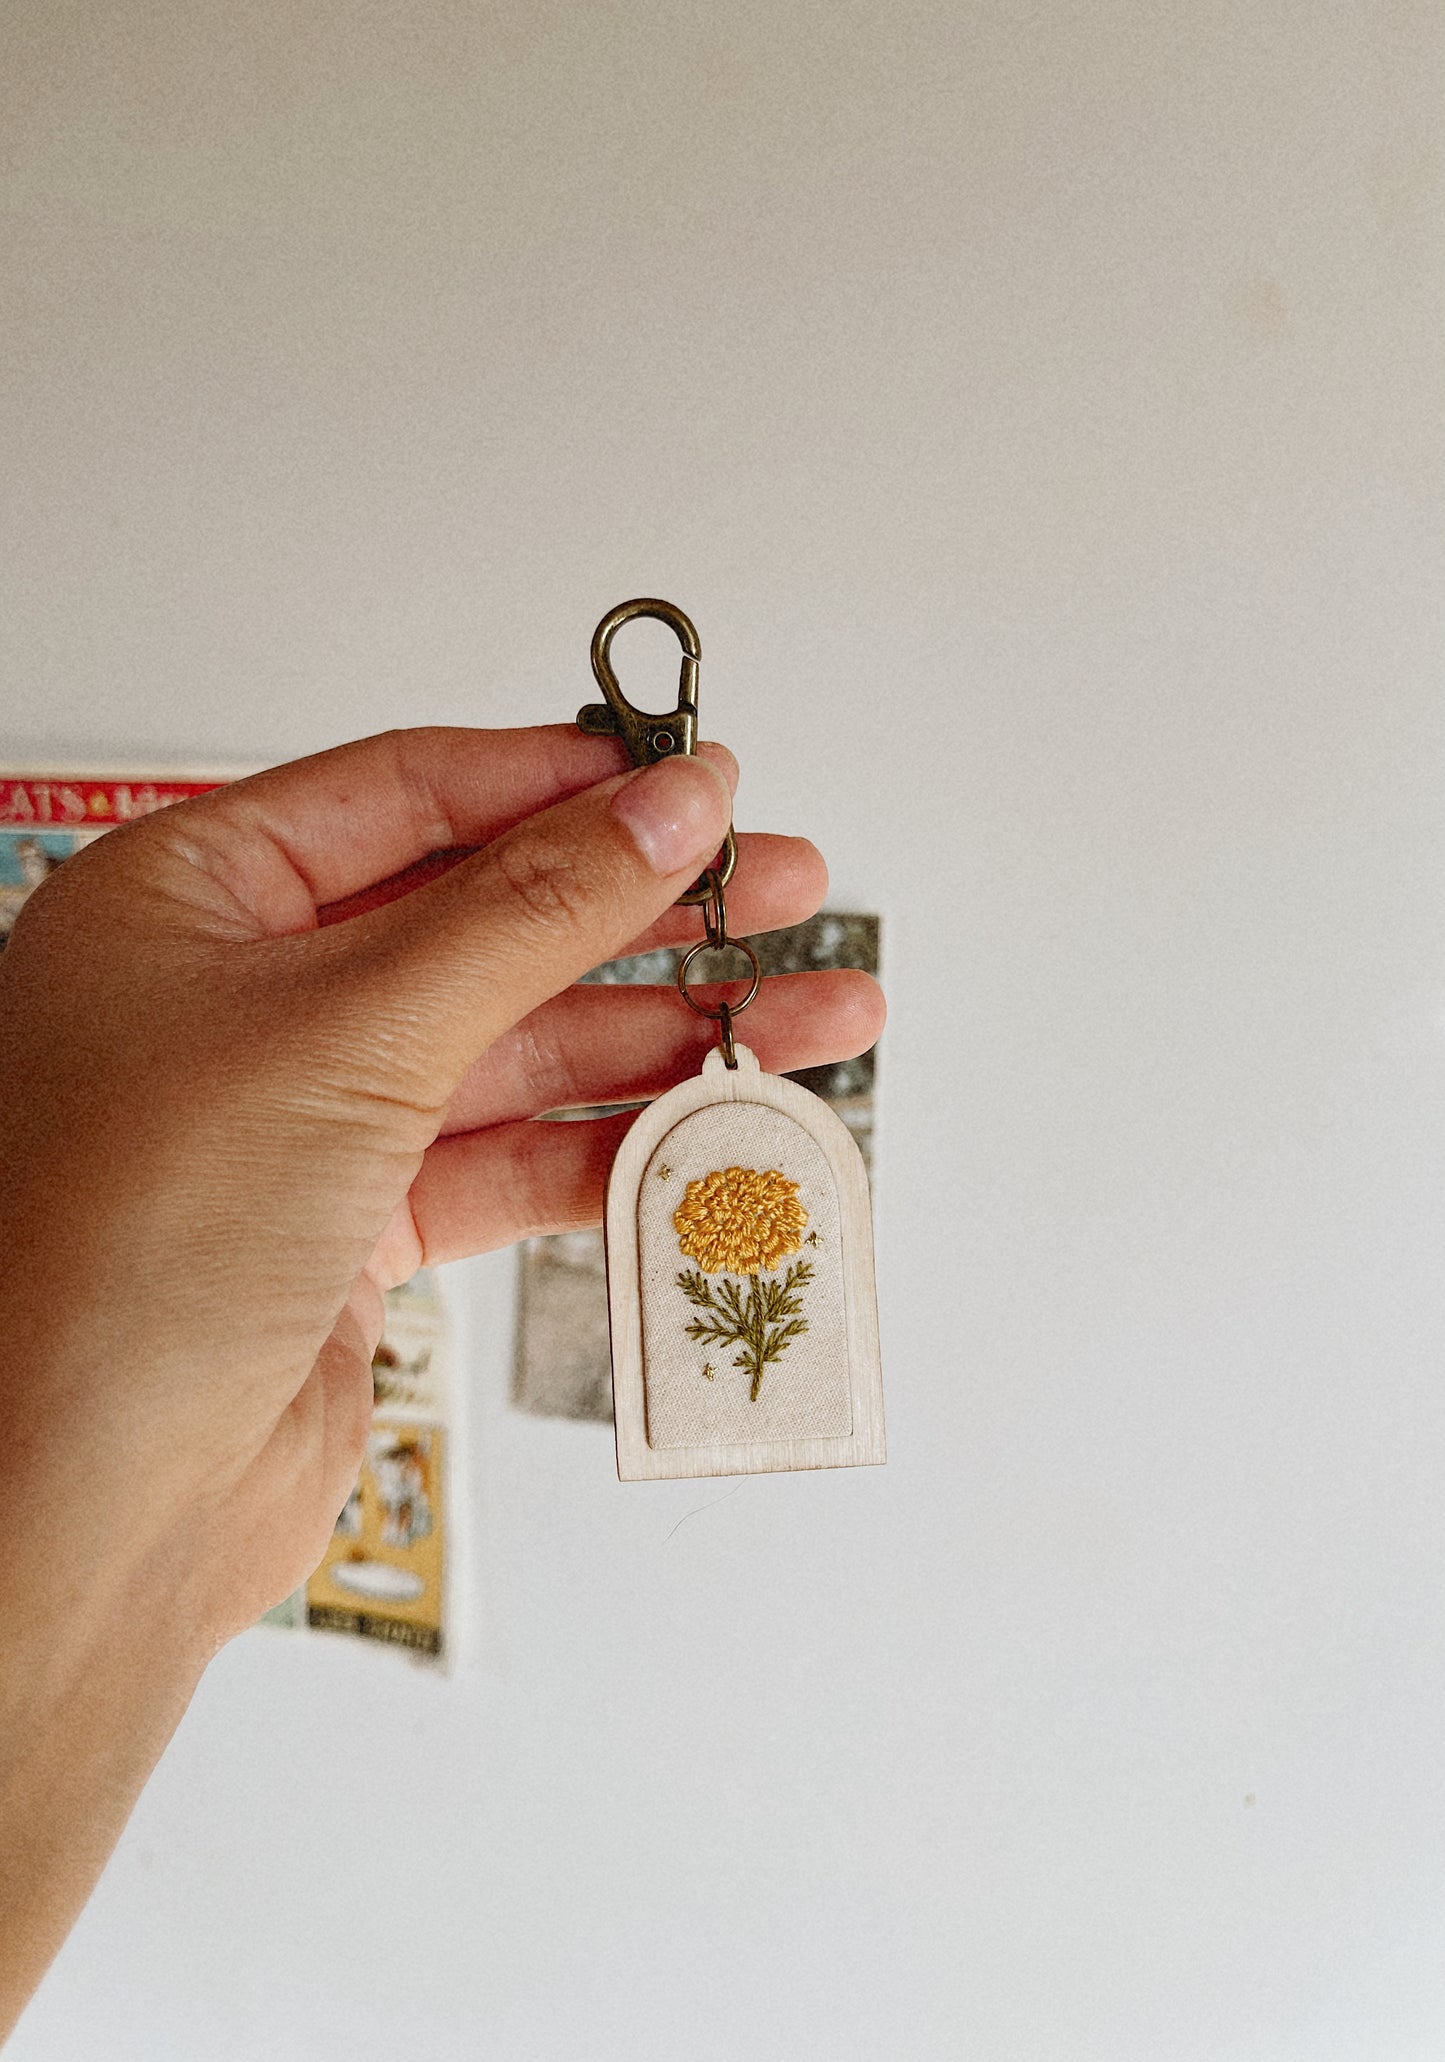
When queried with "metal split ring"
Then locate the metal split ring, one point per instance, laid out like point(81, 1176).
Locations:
point(701, 889)
point(726, 1011)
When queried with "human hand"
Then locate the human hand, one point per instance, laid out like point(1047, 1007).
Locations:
point(246, 1089)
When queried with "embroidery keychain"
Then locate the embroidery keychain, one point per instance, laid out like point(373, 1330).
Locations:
point(739, 1242)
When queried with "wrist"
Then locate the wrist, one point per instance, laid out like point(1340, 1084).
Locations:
point(94, 1678)
point(73, 1609)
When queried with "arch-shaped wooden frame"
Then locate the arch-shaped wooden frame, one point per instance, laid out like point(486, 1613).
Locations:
point(864, 1445)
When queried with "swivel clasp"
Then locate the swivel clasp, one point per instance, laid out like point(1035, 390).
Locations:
point(649, 738)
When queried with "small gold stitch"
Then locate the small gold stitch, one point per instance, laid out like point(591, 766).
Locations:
point(707, 1371)
point(664, 1174)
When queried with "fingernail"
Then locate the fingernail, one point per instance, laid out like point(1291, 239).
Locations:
point(677, 812)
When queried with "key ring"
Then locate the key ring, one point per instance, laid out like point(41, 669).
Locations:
point(716, 939)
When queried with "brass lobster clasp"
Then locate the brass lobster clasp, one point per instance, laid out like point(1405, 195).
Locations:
point(649, 738)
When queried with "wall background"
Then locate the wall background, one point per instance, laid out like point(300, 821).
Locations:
point(1038, 408)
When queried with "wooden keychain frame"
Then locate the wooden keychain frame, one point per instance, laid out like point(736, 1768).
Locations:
point(637, 1459)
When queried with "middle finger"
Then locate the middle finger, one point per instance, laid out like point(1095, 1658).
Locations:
point(611, 1044)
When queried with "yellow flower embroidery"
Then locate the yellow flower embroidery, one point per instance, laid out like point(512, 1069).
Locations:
point(739, 1220)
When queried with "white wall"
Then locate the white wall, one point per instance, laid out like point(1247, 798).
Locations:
point(1038, 409)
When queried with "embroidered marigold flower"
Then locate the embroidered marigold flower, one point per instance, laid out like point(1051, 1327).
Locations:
point(740, 1221)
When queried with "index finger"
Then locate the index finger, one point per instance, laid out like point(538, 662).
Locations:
point(321, 829)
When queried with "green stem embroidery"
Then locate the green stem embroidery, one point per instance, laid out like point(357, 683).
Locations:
point(764, 1322)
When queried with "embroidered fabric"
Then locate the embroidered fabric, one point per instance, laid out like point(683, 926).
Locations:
point(696, 1390)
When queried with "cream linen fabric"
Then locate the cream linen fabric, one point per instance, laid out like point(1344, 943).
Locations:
point(804, 1393)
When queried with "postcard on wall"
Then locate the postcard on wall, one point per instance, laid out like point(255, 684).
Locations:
point(562, 1365)
point(384, 1574)
point(45, 816)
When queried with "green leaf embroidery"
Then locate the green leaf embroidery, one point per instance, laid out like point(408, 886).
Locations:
point(764, 1320)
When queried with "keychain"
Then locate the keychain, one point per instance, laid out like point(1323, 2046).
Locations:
point(739, 1240)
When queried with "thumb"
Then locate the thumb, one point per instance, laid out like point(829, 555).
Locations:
point(454, 964)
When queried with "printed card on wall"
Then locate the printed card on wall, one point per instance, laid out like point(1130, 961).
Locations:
point(384, 1574)
point(562, 1364)
point(46, 816)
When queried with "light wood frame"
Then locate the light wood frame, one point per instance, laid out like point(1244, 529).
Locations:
point(637, 1461)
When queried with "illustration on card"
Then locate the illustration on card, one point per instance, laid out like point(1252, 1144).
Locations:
point(46, 817)
point(382, 1574)
point(406, 1369)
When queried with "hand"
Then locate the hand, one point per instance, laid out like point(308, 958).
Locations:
point(247, 1090)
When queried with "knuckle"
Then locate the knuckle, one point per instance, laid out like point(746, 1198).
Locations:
point(545, 1072)
point(545, 889)
point(411, 752)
